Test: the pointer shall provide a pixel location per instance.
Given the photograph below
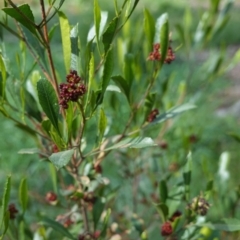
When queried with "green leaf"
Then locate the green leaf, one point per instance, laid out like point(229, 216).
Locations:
point(69, 119)
point(90, 81)
point(29, 151)
point(109, 34)
point(74, 48)
point(3, 77)
point(31, 106)
point(49, 102)
point(97, 18)
point(123, 85)
point(149, 28)
point(53, 174)
point(102, 124)
point(23, 14)
point(138, 142)
point(180, 32)
point(61, 159)
point(187, 176)
point(220, 24)
point(97, 211)
point(214, 6)
point(66, 42)
point(36, 46)
point(52, 31)
point(21, 231)
point(128, 68)
point(235, 136)
point(227, 224)
point(234, 61)
point(173, 112)
point(163, 191)
point(164, 35)
point(188, 171)
point(6, 222)
point(23, 194)
point(209, 186)
point(134, 6)
point(105, 223)
point(163, 211)
point(107, 73)
point(57, 227)
point(5, 200)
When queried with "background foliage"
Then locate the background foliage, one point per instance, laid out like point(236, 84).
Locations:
point(199, 136)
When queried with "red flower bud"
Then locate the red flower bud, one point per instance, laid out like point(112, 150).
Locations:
point(51, 198)
point(166, 229)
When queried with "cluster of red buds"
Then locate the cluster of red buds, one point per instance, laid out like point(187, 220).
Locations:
point(155, 55)
point(12, 211)
point(72, 90)
point(152, 115)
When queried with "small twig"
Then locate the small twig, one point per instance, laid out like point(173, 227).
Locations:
point(13, 32)
point(35, 56)
point(45, 30)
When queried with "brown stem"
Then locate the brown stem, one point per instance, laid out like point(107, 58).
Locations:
point(49, 53)
point(85, 216)
point(36, 58)
point(13, 32)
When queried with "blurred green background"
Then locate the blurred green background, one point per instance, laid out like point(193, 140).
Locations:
point(210, 123)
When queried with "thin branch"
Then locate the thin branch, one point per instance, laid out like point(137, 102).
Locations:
point(45, 30)
point(13, 32)
point(36, 58)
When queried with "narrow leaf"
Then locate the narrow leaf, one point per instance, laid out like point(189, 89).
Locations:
point(3, 77)
point(188, 171)
point(36, 47)
point(5, 199)
point(163, 191)
point(149, 28)
point(108, 69)
point(49, 102)
point(97, 211)
point(97, 18)
point(74, 48)
point(66, 43)
point(90, 80)
point(23, 194)
point(57, 227)
point(105, 223)
point(173, 112)
point(138, 142)
point(102, 124)
point(163, 211)
point(61, 159)
point(164, 34)
point(122, 84)
point(227, 224)
point(109, 34)
point(107, 72)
